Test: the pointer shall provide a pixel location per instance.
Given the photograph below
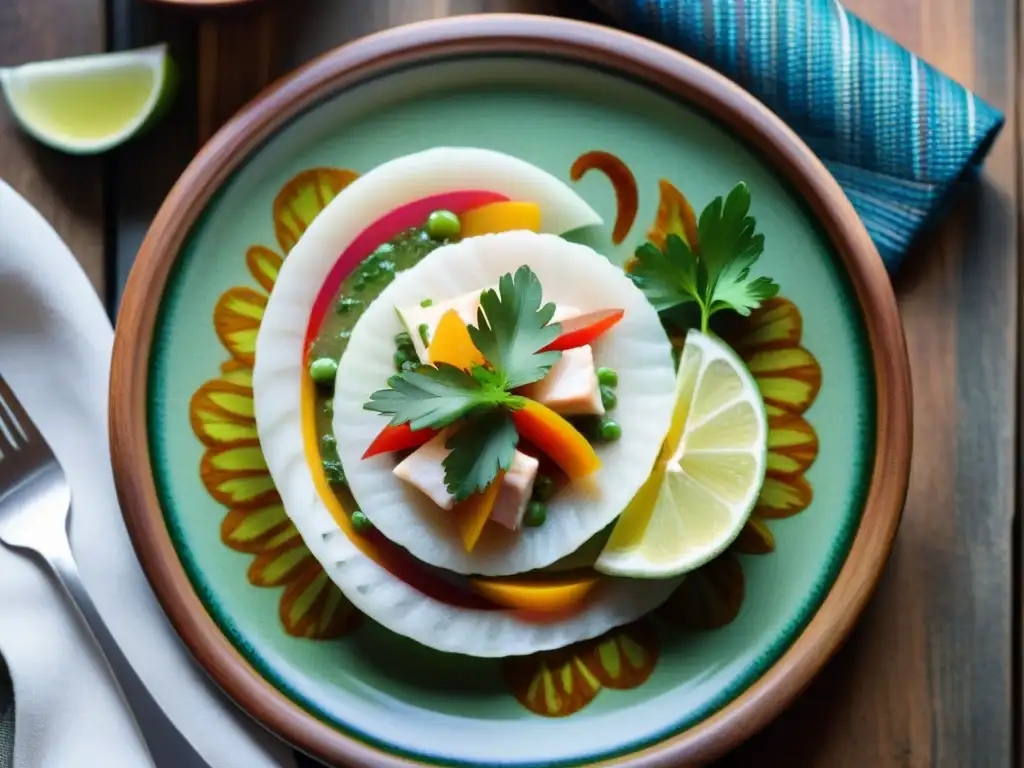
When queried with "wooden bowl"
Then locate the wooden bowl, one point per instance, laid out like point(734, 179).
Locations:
point(709, 691)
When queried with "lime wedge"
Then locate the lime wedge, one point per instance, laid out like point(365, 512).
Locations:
point(708, 476)
point(88, 104)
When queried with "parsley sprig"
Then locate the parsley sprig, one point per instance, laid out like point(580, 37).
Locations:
point(431, 398)
point(512, 327)
point(479, 450)
point(715, 273)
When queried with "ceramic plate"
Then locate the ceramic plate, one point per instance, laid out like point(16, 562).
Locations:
point(741, 636)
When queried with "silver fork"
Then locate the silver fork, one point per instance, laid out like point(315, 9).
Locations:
point(35, 501)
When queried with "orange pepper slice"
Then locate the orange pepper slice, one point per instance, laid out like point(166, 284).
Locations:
point(500, 217)
point(452, 344)
point(543, 595)
point(557, 438)
point(472, 514)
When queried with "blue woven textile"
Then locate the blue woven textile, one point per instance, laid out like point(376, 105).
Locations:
point(896, 133)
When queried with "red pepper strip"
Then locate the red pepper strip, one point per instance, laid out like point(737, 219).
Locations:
point(585, 329)
point(398, 438)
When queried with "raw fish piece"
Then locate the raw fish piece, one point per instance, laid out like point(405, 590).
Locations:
point(571, 387)
point(422, 470)
point(515, 491)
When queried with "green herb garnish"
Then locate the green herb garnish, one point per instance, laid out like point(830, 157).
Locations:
point(431, 398)
point(512, 329)
point(482, 448)
point(716, 274)
point(333, 470)
point(424, 332)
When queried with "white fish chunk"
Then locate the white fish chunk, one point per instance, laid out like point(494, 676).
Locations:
point(413, 317)
point(516, 489)
point(422, 469)
point(571, 387)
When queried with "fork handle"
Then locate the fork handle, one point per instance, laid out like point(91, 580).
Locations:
point(168, 748)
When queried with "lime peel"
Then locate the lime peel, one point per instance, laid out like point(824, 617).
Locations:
point(90, 104)
point(708, 476)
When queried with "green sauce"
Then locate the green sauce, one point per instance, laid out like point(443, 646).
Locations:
point(355, 294)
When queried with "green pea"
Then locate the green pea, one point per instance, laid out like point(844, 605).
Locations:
point(536, 514)
point(543, 488)
point(361, 522)
point(426, 303)
point(608, 377)
point(608, 398)
point(424, 331)
point(333, 472)
point(348, 304)
point(401, 358)
point(610, 430)
point(443, 225)
point(323, 370)
point(403, 339)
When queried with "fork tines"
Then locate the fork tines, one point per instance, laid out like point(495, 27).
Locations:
point(15, 425)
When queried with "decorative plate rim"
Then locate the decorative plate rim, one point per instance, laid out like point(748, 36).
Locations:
point(586, 43)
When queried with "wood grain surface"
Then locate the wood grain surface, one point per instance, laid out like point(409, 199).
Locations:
point(68, 191)
point(925, 680)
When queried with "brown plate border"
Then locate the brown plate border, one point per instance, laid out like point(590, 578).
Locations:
point(673, 72)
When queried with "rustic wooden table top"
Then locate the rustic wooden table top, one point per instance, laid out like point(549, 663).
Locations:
point(927, 678)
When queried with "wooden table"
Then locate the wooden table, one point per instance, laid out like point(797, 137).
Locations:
point(928, 676)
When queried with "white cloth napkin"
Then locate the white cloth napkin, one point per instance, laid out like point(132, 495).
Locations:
point(55, 346)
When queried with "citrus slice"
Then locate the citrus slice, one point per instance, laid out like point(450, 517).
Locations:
point(89, 104)
point(708, 475)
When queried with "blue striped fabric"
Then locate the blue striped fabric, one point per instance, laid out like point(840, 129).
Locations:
point(896, 133)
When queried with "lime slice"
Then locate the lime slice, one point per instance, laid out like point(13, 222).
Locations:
point(89, 104)
point(708, 476)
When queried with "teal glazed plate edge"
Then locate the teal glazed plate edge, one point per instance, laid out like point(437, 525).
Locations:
point(149, 462)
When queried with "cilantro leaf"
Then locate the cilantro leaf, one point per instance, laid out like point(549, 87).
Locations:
point(512, 327)
point(736, 291)
point(726, 235)
point(485, 446)
point(668, 278)
point(434, 397)
point(715, 272)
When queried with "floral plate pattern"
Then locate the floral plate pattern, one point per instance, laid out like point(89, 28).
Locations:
point(230, 569)
point(553, 683)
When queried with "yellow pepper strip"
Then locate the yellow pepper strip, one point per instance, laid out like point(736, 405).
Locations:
point(557, 438)
point(544, 595)
point(472, 514)
point(500, 217)
point(452, 345)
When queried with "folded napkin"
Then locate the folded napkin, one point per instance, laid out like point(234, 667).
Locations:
point(55, 345)
point(896, 133)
